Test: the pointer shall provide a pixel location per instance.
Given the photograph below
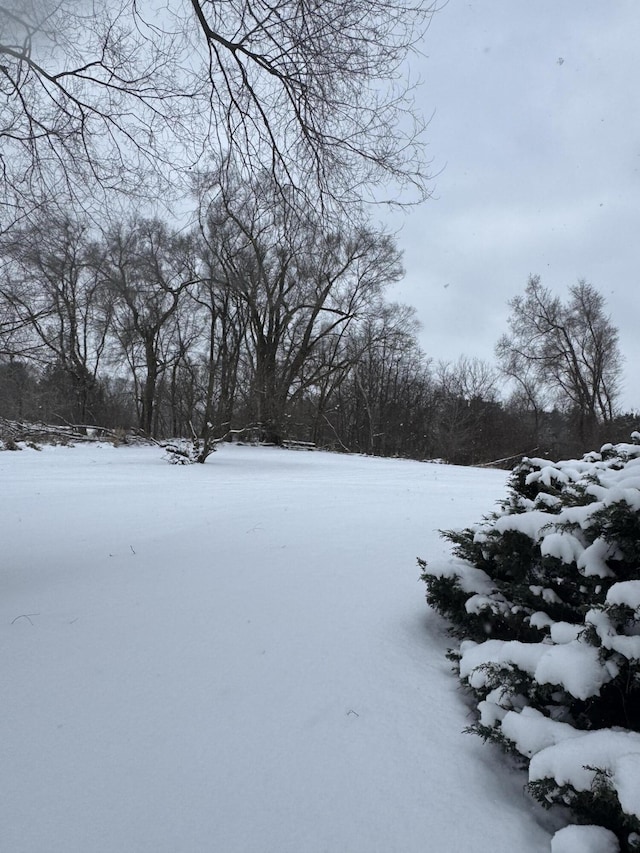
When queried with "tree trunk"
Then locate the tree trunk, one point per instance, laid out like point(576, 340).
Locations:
point(149, 390)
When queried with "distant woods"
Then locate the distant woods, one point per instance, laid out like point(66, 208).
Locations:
point(260, 315)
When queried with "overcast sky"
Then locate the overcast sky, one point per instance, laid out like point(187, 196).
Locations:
point(536, 127)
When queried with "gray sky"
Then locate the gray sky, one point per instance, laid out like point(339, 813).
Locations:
point(537, 131)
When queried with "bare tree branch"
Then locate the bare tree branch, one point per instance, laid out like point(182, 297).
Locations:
point(123, 96)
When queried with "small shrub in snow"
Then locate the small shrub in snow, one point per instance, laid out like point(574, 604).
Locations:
point(7, 442)
point(181, 452)
point(185, 451)
point(545, 595)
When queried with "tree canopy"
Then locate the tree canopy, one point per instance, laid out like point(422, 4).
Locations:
point(133, 95)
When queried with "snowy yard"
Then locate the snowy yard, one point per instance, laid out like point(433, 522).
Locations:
point(237, 658)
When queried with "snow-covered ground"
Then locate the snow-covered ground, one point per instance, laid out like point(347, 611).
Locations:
point(237, 658)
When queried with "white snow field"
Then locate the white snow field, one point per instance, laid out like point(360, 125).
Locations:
point(238, 658)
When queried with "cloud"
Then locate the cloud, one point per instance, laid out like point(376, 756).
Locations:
point(542, 169)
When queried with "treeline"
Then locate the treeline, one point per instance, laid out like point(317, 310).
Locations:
point(257, 315)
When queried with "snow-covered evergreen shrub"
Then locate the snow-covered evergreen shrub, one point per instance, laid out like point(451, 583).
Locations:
point(545, 596)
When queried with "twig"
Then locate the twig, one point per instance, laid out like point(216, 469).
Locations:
point(25, 616)
point(505, 459)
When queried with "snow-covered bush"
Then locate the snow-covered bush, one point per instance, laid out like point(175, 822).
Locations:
point(545, 596)
point(186, 451)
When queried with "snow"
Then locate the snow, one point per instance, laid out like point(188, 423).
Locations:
point(550, 596)
point(530, 523)
point(530, 731)
point(525, 656)
point(626, 781)
point(625, 592)
point(469, 578)
point(237, 657)
point(575, 666)
point(584, 839)
point(565, 632)
point(592, 561)
point(564, 546)
point(478, 603)
point(628, 646)
point(545, 500)
point(540, 619)
point(573, 761)
point(491, 712)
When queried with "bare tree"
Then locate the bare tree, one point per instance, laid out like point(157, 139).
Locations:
point(223, 317)
point(466, 394)
point(147, 269)
point(106, 95)
point(51, 296)
point(569, 348)
point(383, 394)
point(317, 89)
point(529, 397)
point(180, 387)
point(89, 103)
point(468, 378)
point(302, 286)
